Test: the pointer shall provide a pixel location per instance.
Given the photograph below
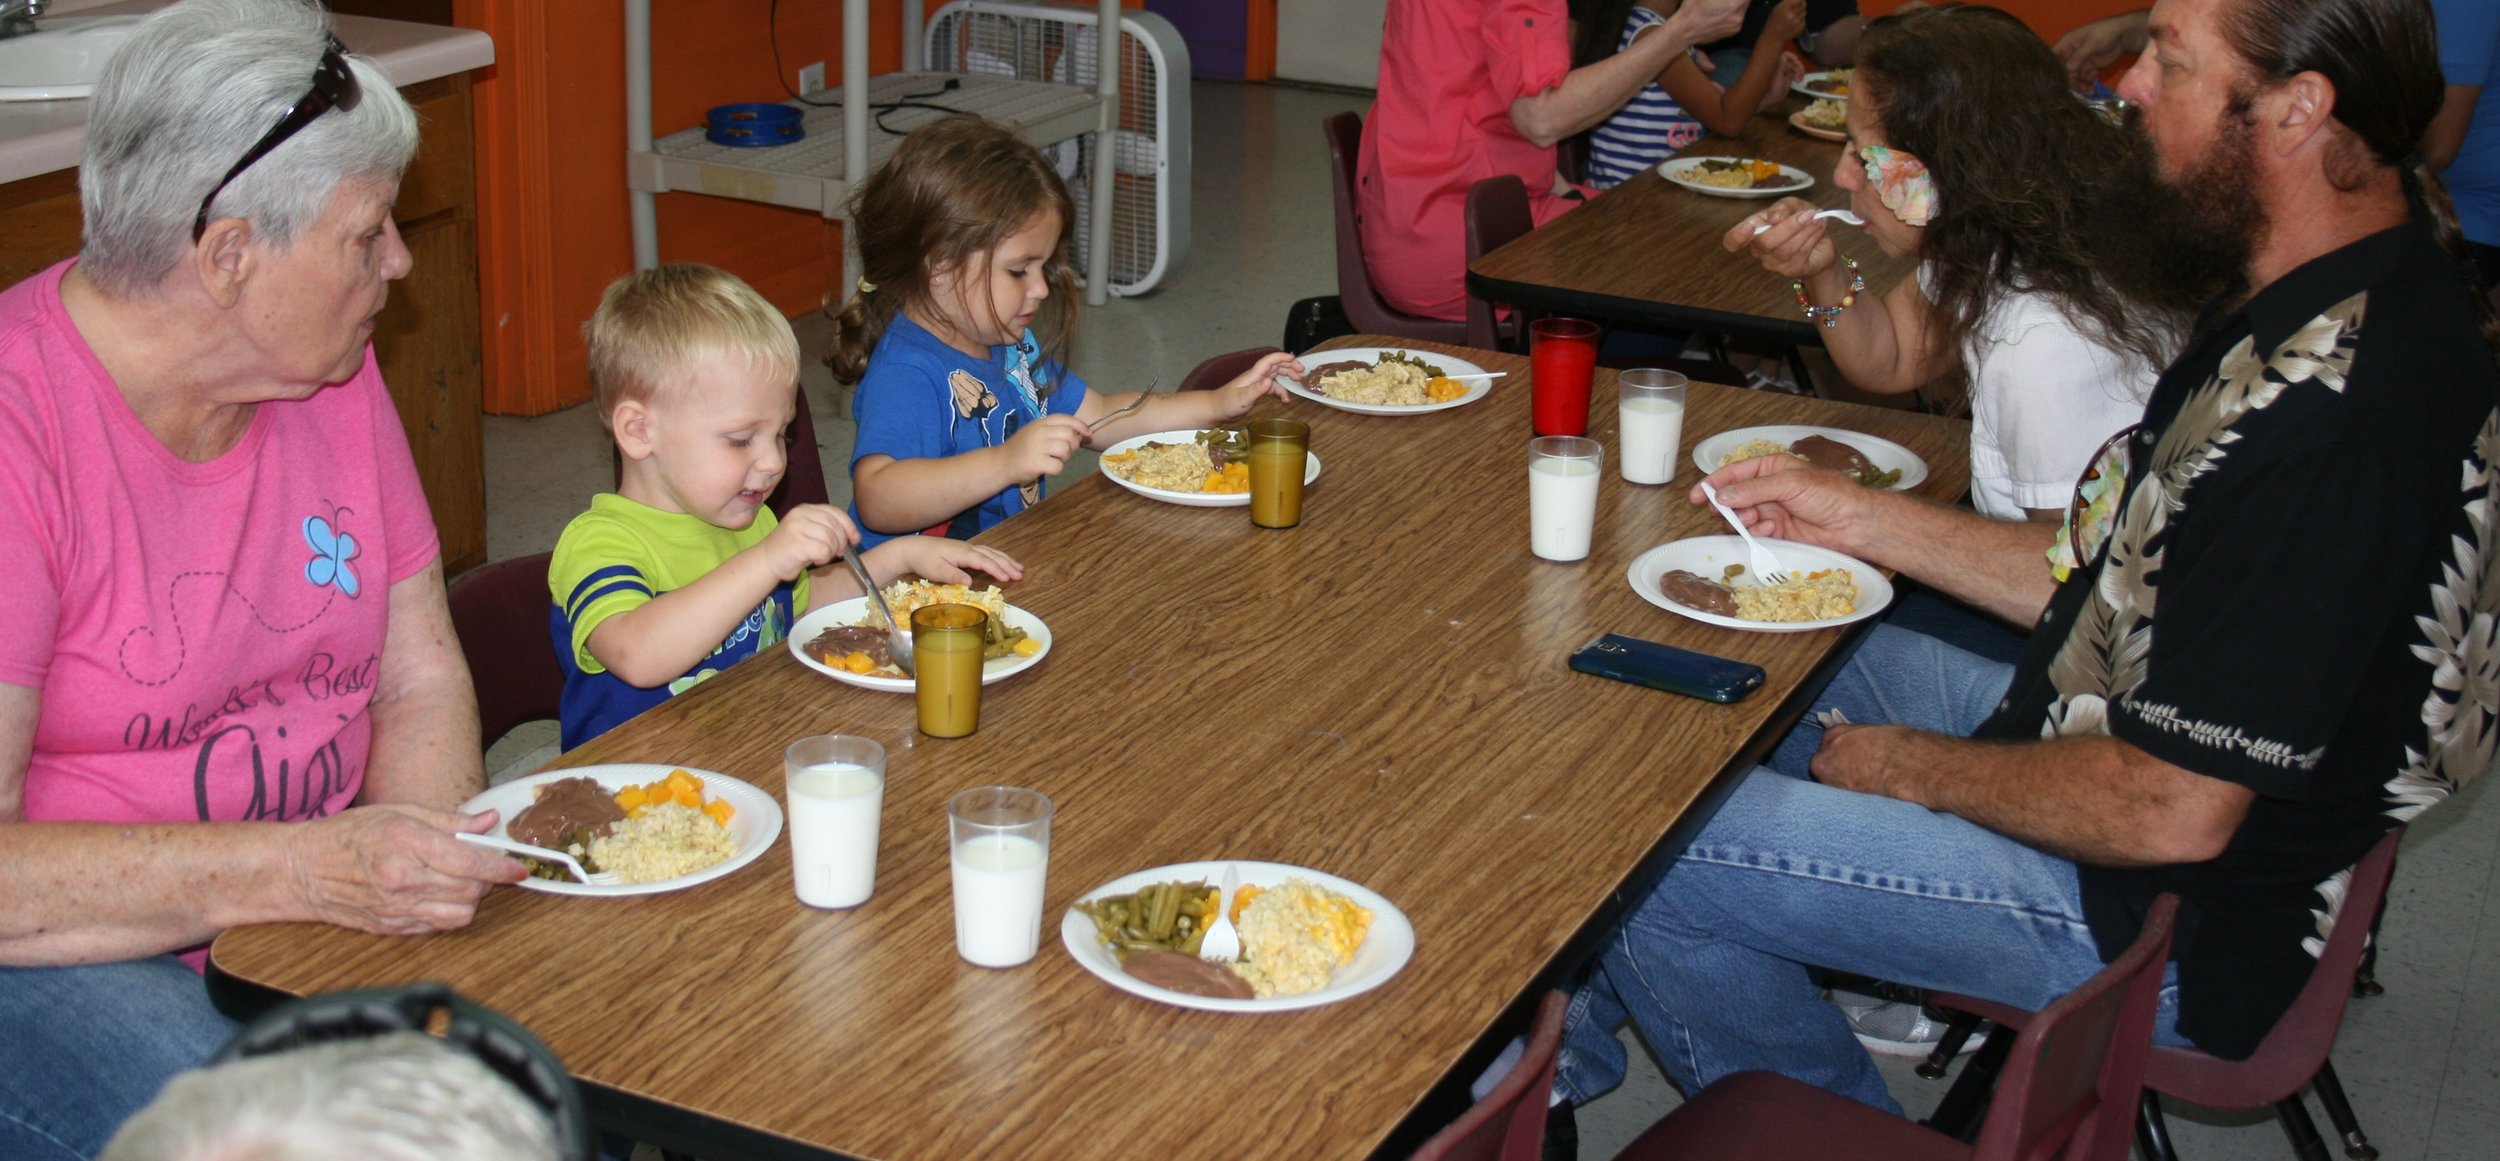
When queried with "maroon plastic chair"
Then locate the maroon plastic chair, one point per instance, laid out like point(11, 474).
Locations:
point(500, 611)
point(1497, 212)
point(1362, 303)
point(2068, 1093)
point(1221, 369)
point(1509, 1123)
point(803, 482)
point(2291, 1057)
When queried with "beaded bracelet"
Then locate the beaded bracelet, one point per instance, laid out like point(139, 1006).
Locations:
point(1829, 316)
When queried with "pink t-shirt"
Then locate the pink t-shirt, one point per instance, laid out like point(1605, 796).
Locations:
point(1449, 71)
point(206, 637)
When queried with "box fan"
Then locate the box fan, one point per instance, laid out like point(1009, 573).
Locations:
point(1044, 42)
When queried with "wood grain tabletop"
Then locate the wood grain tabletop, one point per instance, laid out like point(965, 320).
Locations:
point(1648, 253)
point(1379, 693)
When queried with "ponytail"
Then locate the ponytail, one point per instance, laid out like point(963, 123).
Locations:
point(2427, 196)
point(858, 325)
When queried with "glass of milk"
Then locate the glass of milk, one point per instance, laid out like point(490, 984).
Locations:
point(1000, 838)
point(1562, 494)
point(836, 787)
point(1650, 415)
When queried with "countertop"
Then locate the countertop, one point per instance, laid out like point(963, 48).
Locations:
point(39, 137)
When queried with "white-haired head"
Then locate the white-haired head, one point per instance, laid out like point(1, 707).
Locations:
point(191, 91)
point(402, 1097)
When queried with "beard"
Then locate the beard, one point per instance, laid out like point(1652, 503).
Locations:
point(2210, 214)
point(2174, 243)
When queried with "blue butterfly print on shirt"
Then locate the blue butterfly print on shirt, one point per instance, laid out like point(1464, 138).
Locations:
point(332, 550)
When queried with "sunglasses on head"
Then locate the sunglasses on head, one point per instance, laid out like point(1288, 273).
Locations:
point(333, 87)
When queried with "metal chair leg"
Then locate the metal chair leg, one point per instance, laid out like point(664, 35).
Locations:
point(2339, 1113)
point(1966, 1103)
point(2365, 978)
point(2152, 1134)
point(2306, 1144)
point(1956, 1034)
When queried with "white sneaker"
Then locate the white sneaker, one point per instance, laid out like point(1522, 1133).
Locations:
point(1896, 1028)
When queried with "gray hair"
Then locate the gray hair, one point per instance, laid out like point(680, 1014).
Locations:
point(188, 94)
point(402, 1097)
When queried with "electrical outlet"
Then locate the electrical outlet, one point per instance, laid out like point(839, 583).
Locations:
point(812, 79)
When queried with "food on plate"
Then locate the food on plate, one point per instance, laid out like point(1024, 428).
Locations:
point(1397, 379)
point(1213, 462)
point(1815, 596)
point(1822, 451)
point(1695, 591)
point(1189, 974)
point(682, 787)
point(1826, 113)
point(1294, 934)
point(1161, 917)
point(861, 647)
point(567, 811)
point(1834, 83)
point(664, 842)
point(1740, 173)
point(643, 833)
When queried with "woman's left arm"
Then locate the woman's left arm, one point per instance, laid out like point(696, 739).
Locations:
point(425, 743)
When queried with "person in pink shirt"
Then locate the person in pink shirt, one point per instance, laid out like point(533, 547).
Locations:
point(1471, 89)
point(229, 689)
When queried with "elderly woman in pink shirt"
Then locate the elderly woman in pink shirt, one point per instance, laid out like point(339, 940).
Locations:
point(229, 690)
point(1471, 89)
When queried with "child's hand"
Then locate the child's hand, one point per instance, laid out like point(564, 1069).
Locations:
point(1791, 70)
point(810, 535)
point(937, 558)
point(1235, 399)
point(1042, 447)
point(1786, 23)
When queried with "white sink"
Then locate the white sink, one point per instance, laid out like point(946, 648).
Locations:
point(62, 61)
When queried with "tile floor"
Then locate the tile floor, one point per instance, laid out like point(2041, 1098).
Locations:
point(2422, 1063)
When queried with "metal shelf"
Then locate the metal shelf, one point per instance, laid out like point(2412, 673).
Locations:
point(845, 144)
point(809, 174)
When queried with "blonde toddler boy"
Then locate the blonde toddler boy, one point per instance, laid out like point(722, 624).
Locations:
point(683, 571)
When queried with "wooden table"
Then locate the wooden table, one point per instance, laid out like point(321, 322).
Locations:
point(1647, 253)
point(1379, 693)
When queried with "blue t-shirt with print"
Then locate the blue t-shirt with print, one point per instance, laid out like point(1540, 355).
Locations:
point(2469, 54)
point(922, 399)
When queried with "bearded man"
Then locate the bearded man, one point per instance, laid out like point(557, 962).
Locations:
point(2276, 640)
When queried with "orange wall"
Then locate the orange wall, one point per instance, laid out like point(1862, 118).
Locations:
point(2050, 18)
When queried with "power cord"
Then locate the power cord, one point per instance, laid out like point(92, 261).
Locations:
point(877, 111)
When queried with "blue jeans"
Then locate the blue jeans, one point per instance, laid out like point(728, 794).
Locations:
point(85, 1047)
point(1713, 967)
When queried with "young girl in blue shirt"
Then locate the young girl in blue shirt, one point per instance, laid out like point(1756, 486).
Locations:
point(962, 406)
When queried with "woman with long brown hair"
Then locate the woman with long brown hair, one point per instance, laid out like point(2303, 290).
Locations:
point(2039, 278)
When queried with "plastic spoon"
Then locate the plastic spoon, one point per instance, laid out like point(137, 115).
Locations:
point(1847, 216)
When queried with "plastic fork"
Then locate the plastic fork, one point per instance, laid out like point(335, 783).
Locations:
point(1766, 567)
point(1131, 405)
point(560, 858)
point(1843, 215)
point(1221, 943)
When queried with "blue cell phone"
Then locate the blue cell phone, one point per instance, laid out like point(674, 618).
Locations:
point(1667, 667)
